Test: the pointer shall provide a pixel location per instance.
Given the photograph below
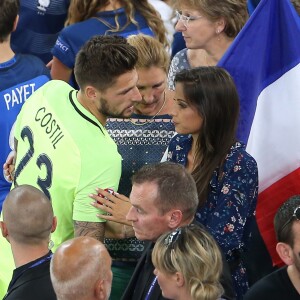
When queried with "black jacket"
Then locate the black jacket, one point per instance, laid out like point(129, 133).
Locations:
point(143, 277)
point(32, 282)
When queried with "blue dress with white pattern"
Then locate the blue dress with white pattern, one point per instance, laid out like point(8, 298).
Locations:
point(230, 207)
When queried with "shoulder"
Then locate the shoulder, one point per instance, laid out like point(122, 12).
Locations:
point(53, 85)
point(30, 58)
point(272, 286)
point(80, 30)
point(179, 62)
point(180, 140)
point(180, 56)
point(36, 284)
point(35, 65)
point(238, 155)
point(51, 90)
point(71, 30)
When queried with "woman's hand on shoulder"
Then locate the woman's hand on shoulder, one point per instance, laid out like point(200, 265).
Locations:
point(114, 207)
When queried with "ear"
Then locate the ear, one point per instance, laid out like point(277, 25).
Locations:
point(99, 291)
point(91, 92)
point(179, 279)
point(54, 224)
point(175, 218)
point(4, 230)
point(16, 23)
point(220, 25)
point(285, 252)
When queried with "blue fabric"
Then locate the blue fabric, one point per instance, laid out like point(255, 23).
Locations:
point(17, 83)
point(178, 43)
point(251, 4)
point(38, 27)
point(140, 144)
point(253, 57)
point(73, 37)
point(230, 207)
point(179, 62)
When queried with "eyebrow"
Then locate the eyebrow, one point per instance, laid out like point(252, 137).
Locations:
point(123, 92)
point(138, 207)
point(179, 99)
point(159, 83)
point(152, 85)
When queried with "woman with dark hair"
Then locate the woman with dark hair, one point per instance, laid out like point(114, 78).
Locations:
point(205, 116)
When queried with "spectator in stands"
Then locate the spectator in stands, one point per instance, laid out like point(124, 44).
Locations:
point(90, 18)
point(81, 269)
point(20, 76)
point(40, 23)
point(27, 224)
point(188, 264)
point(283, 283)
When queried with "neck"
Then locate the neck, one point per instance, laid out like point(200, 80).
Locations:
point(215, 52)
point(186, 221)
point(191, 163)
point(210, 55)
point(24, 254)
point(184, 293)
point(112, 5)
point(90, 106)
point(6, 52)
point(294, 276)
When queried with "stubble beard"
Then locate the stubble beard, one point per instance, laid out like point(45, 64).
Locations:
point(107, 112)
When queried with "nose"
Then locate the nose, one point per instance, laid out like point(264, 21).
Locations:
point(148, 96)
point(172, 109)
point(180, 26)
point(131, 215)
point(136, 96)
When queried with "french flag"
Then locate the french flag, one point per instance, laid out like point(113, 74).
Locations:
point(264, 61)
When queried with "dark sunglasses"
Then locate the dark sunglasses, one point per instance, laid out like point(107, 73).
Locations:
point(295, 215)
point(172, 238)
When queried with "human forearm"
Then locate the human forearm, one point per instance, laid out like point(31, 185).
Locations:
point(92, 229)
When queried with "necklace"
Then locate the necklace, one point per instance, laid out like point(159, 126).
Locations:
point(147, 121)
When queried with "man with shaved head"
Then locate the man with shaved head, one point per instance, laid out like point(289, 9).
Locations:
point(81, 269)
point(27, 224)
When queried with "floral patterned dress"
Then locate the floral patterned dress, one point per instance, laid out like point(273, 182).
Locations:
point(230, 207)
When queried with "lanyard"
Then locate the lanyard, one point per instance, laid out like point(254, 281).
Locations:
point(37, 263)
point(151, 288)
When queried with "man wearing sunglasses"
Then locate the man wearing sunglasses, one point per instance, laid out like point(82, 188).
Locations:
point(283, 283)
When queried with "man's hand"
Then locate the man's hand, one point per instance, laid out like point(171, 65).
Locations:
point(9, 166)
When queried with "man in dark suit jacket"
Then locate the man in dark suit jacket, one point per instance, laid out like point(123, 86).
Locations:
point(163, 197)
point(27, 224)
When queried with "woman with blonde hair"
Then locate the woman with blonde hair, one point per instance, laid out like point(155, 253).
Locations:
point(141, 139)
point(188, 264)
point(87, 18)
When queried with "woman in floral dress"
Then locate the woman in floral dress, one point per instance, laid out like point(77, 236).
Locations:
point(205, 116)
